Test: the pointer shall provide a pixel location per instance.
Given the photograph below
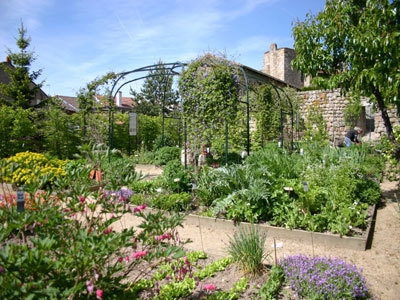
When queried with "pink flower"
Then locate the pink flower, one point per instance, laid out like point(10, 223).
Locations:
point(127, 258)
point(82, 199)
point(139, 254)
point(107, 231)
point(120, 259)
point(209, 287)
point(99, 294)
point(89, 286)
point(139, 208)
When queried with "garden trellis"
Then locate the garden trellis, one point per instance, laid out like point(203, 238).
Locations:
point(199, 85)
point(246, 77)
point(171, 70)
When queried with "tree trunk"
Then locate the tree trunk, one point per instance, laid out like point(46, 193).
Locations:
point(388, 124)
point(385, 116)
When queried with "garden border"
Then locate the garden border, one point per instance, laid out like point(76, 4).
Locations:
point(360, 243)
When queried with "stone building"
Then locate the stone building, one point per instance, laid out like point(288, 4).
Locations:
point(277, 63)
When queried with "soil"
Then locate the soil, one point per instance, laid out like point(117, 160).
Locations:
point(380, 262)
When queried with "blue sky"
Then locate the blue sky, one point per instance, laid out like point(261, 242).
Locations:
point(76, 41)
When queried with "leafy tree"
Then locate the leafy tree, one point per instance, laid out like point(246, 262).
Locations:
point(20, 91)
point(355, 44)
point(156, 93)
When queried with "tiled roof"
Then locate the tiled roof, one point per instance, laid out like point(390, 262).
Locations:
point(69, 103)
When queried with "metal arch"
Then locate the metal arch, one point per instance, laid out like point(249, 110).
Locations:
point(169, 67)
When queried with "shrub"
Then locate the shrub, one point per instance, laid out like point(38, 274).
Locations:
point(166, 154)
point(168, 142)
point(177, 178)
point(247, 249)
point(28, 167)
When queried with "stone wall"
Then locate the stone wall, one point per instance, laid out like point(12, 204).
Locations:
point(380, 128)
point(332, 106)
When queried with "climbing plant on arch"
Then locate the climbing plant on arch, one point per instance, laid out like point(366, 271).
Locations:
point(209, 88)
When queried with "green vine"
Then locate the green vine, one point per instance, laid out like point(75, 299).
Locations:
point(210, 91)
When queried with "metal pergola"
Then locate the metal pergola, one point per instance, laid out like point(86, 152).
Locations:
point(173, 69)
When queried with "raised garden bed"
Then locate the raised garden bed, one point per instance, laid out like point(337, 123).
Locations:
point(359, 243)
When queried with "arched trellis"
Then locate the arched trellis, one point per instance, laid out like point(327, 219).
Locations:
point(171, 70)
point(257, 76)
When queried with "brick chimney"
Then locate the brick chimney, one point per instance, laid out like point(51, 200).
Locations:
point(8, 59)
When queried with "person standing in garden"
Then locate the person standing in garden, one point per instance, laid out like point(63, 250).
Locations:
point(352, 136)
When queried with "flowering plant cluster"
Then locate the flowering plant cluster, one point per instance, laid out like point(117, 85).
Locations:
point(9, 200)
point(210, 90)
point(27, 167)
point(324, 278)
point(67, 248)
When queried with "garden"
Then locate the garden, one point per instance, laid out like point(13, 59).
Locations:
point(66, 243)
point(230, 148)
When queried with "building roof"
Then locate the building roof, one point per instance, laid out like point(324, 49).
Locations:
point(5, 78)
point(70, 104)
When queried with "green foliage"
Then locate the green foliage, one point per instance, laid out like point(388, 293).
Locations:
point(234, 293)
point(149, 129)
point(268, 186)
point(60, 131)
point(156, 93)
point(119, 172)
point(167, 142)
point(18, 130)
point(172, 202)
point(210, 89)
point(270, 289)
point(87, 104)
point(241, 192)
point(352, 112)
point(355, 45)
point(20, 92)
point(315, 126)
point(63, 261)
point(247, 249)
point(166, 154)
point(147, 186)
point(177, 178)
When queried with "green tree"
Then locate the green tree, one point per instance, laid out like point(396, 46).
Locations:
point(157, 93)
point(355, 44)
point(17, 130)
point(21, 90)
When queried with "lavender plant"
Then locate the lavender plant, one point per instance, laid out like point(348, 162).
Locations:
point(324, 278)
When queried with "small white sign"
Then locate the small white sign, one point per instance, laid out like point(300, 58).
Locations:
point(132, 123)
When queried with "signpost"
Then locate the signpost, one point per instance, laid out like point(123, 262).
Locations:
point(132, 123)
point(20, 201)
